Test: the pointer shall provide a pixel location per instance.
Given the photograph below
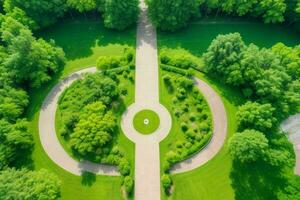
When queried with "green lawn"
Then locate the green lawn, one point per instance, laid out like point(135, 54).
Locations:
point(197, 37)
point(83, 41)
point(212, 181)
point(146, 122)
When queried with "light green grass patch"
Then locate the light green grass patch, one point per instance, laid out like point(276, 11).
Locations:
point(146, 122)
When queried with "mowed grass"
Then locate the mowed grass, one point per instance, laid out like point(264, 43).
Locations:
point(198, 35)
point(212, 181)
point(83, 41)
point(150, 125)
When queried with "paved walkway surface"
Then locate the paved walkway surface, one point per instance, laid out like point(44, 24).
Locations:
point(292, 127)
point(147, 159)
point(219, 131)
point(50, 141)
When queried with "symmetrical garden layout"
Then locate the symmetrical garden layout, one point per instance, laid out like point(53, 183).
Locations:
point(150, 99)
point(147, 159)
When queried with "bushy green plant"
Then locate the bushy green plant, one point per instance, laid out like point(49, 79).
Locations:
point(128, 184)
point(166, 182)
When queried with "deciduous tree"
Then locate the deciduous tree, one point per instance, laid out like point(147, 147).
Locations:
point(172, 15)
point(120, 14)
point(253, 115)
point(24, 184)
point(248, 146)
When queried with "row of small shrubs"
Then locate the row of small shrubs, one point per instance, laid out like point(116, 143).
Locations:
point(181, 59)
point(192, 115)
point(113, 62)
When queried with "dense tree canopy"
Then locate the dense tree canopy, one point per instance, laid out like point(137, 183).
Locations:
point(223, 57)
point(24, 184)
point(14, 138)
point(119, 14)
point(248, 146)
point(43, 12)
point(82, 5)
point(255, 115)
point(13, 101)
point(22, 17)
point(172, 15)
point(266, 75)
point(29, 60)
point(272, 11)
point(94, 129)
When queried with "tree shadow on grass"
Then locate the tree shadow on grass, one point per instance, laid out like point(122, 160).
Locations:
point(88, 178)
point(256, 181)
point(77, 37)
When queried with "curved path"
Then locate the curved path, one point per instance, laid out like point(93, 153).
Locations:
point(292, 127)
point(219, 131)
point(49, 139)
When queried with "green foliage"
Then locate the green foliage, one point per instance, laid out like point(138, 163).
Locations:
point(43, 12)
point(24, 184)
point(119, 14)
point(174, 70)
point(289, 58)
point(166, 182)
point(180, 58)
point(248, 146)
point(292, 190)
point(94, 129)
point(128, 184)
point(223, 56)
point(14, 140)
point(82, 5)
point(19, 15)
point(272, 11)
point(172, 15)
point(13, 101)
point(193, 124)
point(29, 60)
point(256, 116)
point(113, 62)
point(88, 111)
point(266, 75)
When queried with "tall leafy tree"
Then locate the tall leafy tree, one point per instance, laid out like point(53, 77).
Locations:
point(29, 60)
point(94, 130)
point(82, 5)
point(289, 58)
point(223, 57)
point(253, 115)
point(43, 12)
point(272, 11)
point(119, 14)
point(14, 140)
point(13, 101)
point(24, 184)
point(19, 15)
point(248, 146)
point(172, 15)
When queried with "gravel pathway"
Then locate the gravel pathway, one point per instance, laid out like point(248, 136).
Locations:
point(48, 137)
point(292, 127)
